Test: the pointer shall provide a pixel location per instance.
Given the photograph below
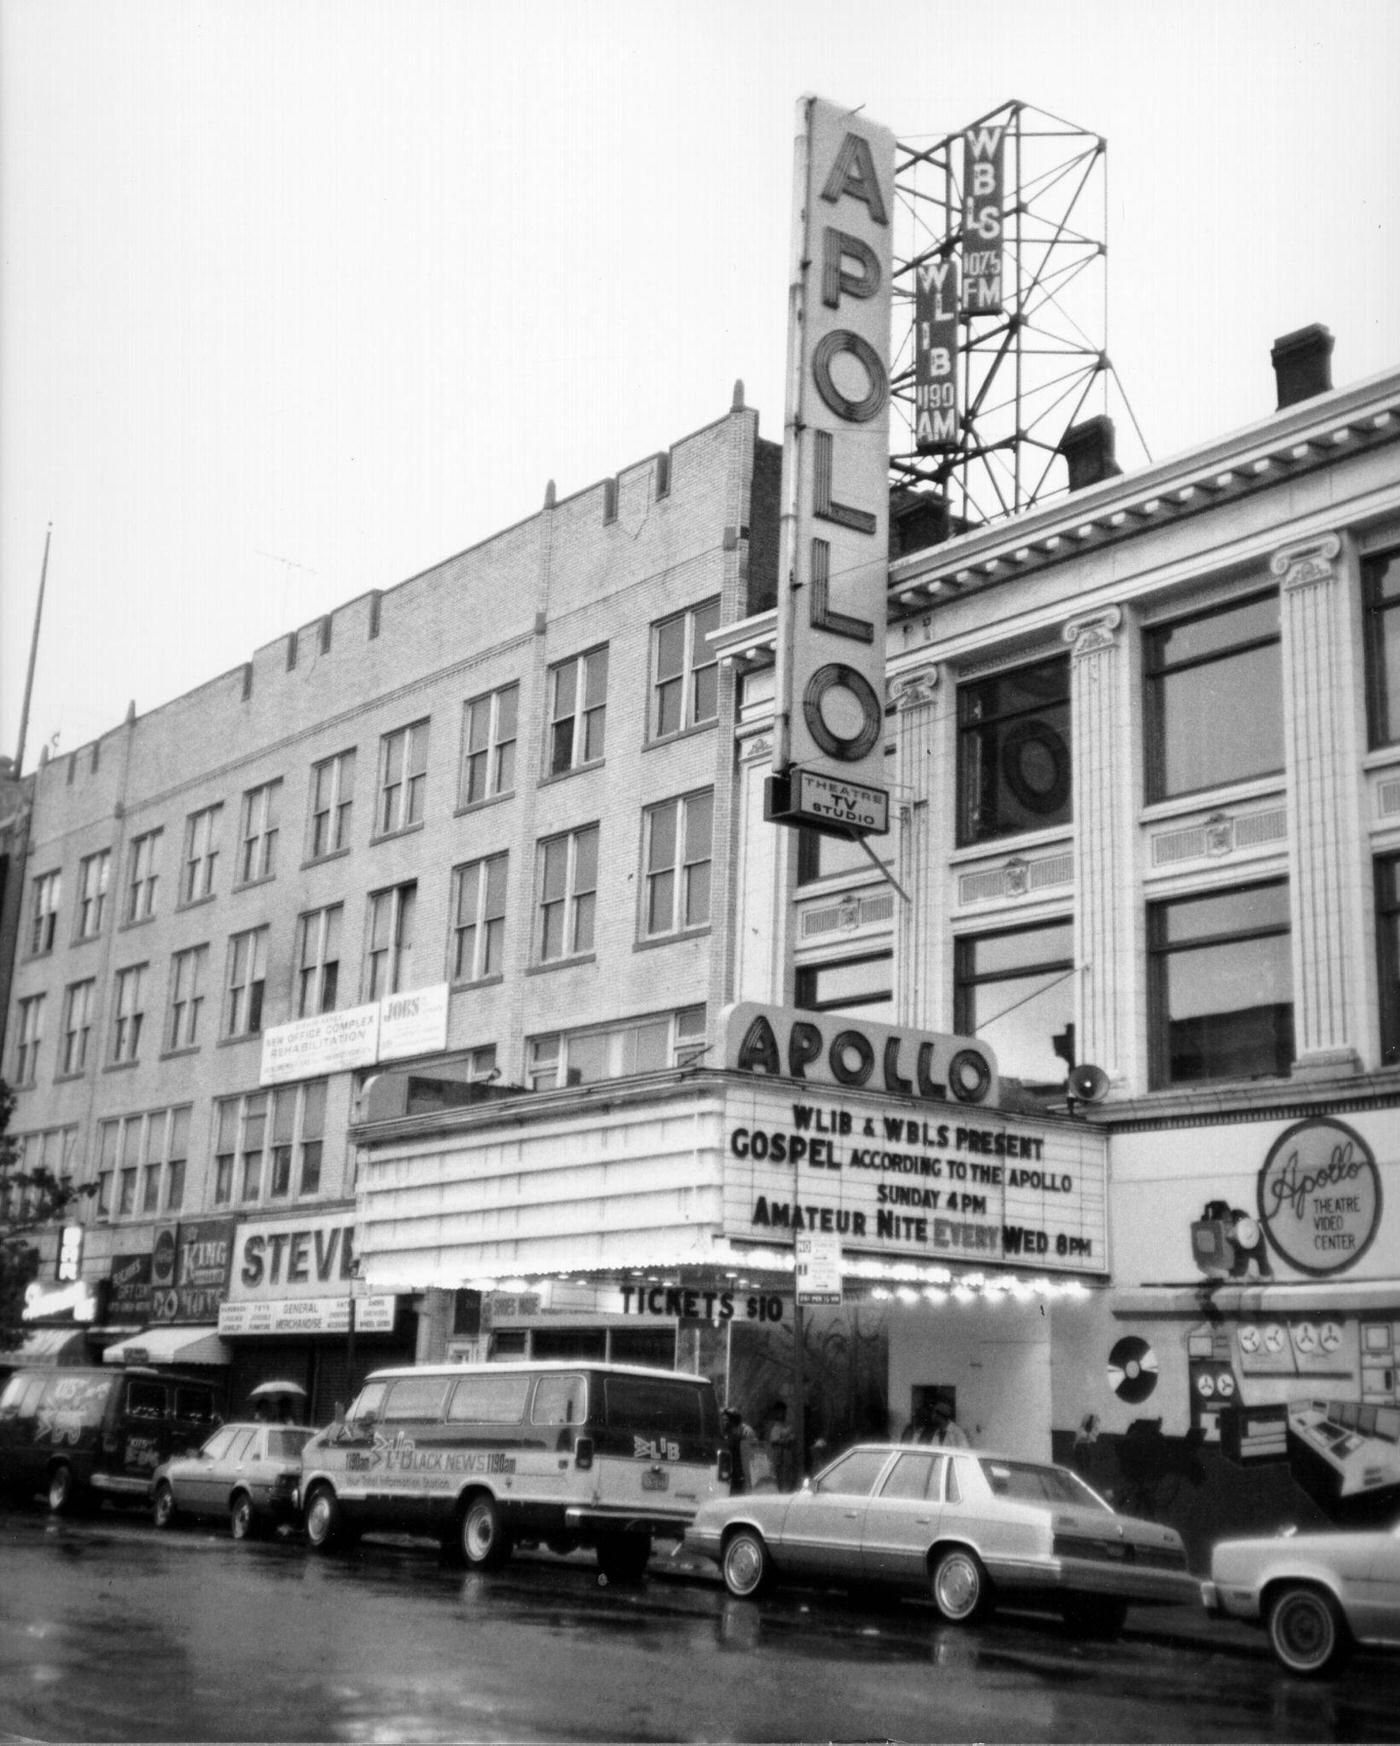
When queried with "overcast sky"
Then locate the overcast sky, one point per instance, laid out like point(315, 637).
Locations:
point(298, 297)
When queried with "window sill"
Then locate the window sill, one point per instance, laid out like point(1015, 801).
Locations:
point(120, 1066)
point(549, 780)
point(486, 801)
point(70, 1078)
point(656, 940)
point(561, 964)
point(1381, 757)
point(196, 902)
point(320, 860)
point(83, 940)
point(248, 884)
point(1016, 843)
point(479, 982)
point(685, 733)
point(135, 921)
point(1212, 799)
point(180, 1053)
point(407, 830)
point(34, 957)
point(242, 1037)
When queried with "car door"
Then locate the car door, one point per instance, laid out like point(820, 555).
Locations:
point(901, 1519)
point(824, 1526)
point(1373, 1603)
point(202, 1487)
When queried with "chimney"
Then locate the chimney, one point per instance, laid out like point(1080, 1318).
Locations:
point(1303, 364)
point(1088, 452)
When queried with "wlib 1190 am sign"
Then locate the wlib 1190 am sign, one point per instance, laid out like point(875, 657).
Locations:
point(828, 745)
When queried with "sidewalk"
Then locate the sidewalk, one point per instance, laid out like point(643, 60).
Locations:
point(1172, 1626)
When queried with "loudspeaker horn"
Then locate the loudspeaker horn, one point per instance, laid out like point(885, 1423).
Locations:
point(1087, 1084)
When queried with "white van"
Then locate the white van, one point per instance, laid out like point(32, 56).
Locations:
point(481, 1456)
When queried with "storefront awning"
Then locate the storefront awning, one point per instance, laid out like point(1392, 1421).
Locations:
point(166, 1345)
point(49, 1346)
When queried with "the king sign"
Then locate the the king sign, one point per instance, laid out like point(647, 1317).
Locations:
point(836, 454)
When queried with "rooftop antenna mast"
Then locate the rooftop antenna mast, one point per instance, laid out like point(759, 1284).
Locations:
point(33, 655)
point(1001, 315)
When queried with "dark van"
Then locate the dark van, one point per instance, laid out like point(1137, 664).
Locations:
point(79, 1435)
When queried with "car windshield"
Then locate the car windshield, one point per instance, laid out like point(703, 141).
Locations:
point(286, 1442)
point(1029, 1482)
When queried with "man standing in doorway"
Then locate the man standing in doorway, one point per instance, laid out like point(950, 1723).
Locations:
point(946, 1430)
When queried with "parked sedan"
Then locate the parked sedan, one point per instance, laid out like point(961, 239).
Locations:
point(968, 1528)
point(1318, 1595)
point(248, 1473)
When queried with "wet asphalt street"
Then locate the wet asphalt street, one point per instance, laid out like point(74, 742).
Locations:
point(112, 1631)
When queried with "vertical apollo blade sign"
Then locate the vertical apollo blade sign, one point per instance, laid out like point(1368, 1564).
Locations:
point(828, 743)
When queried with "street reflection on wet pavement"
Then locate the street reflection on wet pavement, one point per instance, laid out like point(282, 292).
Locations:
point(111, 1631)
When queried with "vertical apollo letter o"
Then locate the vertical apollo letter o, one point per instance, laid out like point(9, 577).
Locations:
point(841, 339)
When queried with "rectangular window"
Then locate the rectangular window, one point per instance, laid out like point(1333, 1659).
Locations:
point(252, 1144)
point(93, 872)
point(142, 875)
point(1015, 989)
point(403, 776)
point(268, 1144)
point(1220, 985)
point(257, 835)
point(685, 671)
point(228, 1111)
point(649, 1045)
point(578, 698)
point(332, 795)
point(389, 962)
point(318, 960)
point(247, 972)
point(130, 1013)
point(567, 882)
point(29, 1039)
point(154, 1163)
point(1214, 698)
point(1388, 945)
point(488, 746)
point(1013, 752)
point(1380, 585)
point(201, 854)
point(179, 1152)
point(479, 919)
point(78, 1001)
point(187, 973)
point(858, 985)
point(43, 912)
point(676, 844)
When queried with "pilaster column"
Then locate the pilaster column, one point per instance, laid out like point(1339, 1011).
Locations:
point(1324, 793)
point(1103, 825)
point(763, 883)
point(918, 923)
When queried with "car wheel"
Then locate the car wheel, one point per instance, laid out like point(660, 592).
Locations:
point(323, 1521)
point(485, 1543)
point(163, 1511)
point(1307, 1631)
point(962, 1590)
point(746, 1564)
point(624, 1557)
point(1100, 1617)
point(63, 1490)
point(242, 1518)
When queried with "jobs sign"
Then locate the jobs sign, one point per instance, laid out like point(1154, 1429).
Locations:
point(831, 620)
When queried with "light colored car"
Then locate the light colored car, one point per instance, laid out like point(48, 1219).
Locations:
point(248, 1473)
point(970, 1529)
point(1317, 1595)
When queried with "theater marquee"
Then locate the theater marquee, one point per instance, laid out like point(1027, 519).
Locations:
point(932, 1182)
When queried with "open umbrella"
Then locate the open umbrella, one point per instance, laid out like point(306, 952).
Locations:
point(264, 1389)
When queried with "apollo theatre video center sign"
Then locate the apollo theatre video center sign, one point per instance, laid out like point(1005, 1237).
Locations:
point(829, 731)
point(931, 1170)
